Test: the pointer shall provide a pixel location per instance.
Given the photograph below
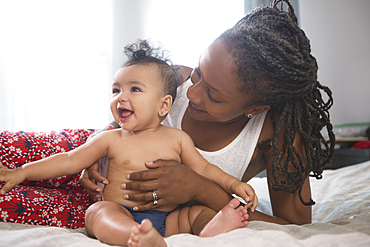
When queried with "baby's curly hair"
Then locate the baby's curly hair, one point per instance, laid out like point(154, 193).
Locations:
point(273, 58)
point(142, 52)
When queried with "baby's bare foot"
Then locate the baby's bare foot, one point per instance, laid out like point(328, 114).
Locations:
point(229, 218)
point(145, 235)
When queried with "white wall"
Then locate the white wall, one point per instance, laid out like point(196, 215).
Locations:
point(128, 25)
point(339, 31)
point(185, 28)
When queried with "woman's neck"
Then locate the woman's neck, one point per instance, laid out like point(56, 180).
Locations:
point(212, 136)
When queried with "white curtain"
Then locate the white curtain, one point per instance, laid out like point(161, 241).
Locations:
point(187, 29)
point(57, 58)
point(54, 64)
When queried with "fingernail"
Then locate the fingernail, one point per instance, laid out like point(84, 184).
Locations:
point(126, 196)
point(149, 162)
point(135, 208)
point(123, 186)
point(105, 182)
point(127, 176)
point(99, 190)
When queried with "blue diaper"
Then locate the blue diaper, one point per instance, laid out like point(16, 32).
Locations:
point(158, 218)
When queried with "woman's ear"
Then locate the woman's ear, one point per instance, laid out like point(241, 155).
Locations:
point(166, 104)
point(257, 110)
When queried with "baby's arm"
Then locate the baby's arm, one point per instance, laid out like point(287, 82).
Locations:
point(239, 188)
point(11, 177)
point(192, 158)
point(53, 166)
point(56, 165)
point(231, 184)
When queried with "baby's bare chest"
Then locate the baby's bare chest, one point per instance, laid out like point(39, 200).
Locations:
point(134, 153)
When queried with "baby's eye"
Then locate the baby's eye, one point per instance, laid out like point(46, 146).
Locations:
point(115, 91)
point(135, 89)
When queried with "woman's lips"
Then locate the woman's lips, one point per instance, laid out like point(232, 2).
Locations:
point(194, 110)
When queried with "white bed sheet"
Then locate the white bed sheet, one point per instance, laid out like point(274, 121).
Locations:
point(341, 217)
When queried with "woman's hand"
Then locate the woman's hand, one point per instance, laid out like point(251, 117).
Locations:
point(174, 184)
point(167, 179)
point(88, 180)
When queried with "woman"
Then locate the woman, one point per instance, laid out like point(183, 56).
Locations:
point(253, 104)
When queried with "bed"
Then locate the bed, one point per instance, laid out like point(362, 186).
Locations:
point(341, 217)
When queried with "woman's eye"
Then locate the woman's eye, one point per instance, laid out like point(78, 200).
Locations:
point(212, 99)
point(135, 89)
point(115, 91)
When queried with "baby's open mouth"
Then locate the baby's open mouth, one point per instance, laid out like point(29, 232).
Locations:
point(124, 113)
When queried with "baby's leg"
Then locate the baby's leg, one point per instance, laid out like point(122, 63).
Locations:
point(145, 235)
point(205, 222)
point(194, 218)
point(198, 219)
point(231, 217)
point(109, 222)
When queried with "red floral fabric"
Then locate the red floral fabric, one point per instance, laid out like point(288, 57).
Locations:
point(362, 145)
point(59, 201)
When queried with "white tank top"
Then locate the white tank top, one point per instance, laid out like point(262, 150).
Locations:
point(235, 157)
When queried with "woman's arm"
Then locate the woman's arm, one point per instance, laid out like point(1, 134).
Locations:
point(287, 207)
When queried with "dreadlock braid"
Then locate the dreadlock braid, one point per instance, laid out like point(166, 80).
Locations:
point(273, 58)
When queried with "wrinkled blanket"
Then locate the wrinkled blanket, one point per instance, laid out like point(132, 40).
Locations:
point(341, 217)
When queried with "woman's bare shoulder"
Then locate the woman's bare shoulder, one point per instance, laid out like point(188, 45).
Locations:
point(267, 131)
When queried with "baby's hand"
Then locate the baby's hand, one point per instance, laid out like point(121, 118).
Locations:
point(11, 177)
point(246, 192)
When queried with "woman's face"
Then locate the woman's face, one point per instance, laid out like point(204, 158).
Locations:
point(214, 95)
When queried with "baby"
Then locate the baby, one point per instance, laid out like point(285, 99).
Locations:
point(143, 93)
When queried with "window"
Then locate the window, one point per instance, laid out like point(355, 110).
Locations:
point(187, 29)
point(56, 59)
point(54, 64)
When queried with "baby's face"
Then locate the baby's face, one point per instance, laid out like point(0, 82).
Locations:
point(136, 97)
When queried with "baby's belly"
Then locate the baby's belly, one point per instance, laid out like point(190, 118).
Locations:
point(113, 192)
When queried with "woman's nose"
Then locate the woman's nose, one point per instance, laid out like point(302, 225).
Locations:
point(194, 93)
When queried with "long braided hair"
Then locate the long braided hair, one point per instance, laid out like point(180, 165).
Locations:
point(273, 58)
